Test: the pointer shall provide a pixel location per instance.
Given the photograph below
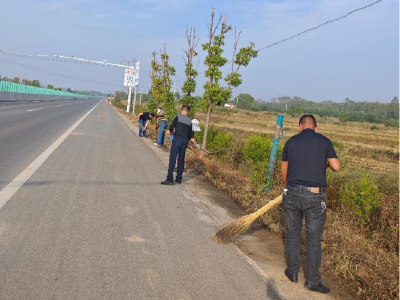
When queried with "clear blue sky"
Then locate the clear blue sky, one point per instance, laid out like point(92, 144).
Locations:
point(357, 57)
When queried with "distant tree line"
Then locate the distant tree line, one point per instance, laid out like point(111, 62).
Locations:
point(146, 97)
point(348, 110)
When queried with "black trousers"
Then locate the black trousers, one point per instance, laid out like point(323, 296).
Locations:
point(299, 203)
point(178, 149)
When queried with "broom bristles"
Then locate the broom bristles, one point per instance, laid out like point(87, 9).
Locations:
point(227, 233)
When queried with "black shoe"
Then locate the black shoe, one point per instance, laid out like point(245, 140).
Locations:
point(320, 288)
point(292, 277)
point(178, 181)
point(167, 182)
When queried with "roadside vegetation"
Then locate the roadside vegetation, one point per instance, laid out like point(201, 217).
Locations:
point(361, 240)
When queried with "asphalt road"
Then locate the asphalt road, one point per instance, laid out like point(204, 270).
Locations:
point(27, 129)
point(93, 221)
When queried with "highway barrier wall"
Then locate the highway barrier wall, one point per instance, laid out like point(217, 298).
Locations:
point(10, 91)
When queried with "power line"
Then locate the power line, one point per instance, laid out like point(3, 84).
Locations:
point(308, 30)
point(63, 58)
point(54, 73)
point(320, 25)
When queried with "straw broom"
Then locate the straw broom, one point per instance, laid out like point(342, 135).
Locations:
point(206, 161)
point(227, 233)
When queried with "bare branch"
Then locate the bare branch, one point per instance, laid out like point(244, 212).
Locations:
point(216, 27)
point(237, 38)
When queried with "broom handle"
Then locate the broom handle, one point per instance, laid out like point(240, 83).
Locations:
point(268, 206)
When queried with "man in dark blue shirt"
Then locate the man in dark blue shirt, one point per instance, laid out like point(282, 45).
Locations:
point(305, 158)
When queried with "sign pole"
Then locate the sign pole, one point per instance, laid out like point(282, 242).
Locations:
point(131, 79)
point(134, 101)
point(275, 143)
point(128, 107)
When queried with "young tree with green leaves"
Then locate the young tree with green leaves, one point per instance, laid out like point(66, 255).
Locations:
point(155, 83)
point(189, 86)
point(35, 83)
point(214, 94)
point(168, 98)
point(239, 59)
point(161, 83)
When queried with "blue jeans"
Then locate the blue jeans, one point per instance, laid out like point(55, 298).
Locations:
point(178, 149)
point(298, 202)
point(142, 123)
point(161, 132)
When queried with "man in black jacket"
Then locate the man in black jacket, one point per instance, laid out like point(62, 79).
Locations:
point(181, 128)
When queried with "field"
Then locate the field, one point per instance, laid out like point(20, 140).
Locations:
point(361, 241)
point(376, 149)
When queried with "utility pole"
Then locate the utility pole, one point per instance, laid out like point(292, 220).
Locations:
point(134, 101)
point(128, 107)
point(140, 98)
point(136, 83)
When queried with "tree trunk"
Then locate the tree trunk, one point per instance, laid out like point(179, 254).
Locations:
point(204, 146)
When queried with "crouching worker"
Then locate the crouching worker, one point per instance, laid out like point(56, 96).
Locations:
point(181, 129)
point(305, 158)
point(144, 120)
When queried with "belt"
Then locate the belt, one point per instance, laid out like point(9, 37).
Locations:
point(307, 188)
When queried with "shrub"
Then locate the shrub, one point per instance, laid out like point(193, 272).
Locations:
point(363, 197)
point(216, 140)
point(220, 141)
point(257, 149)
point(257, 152)
point(374, 127)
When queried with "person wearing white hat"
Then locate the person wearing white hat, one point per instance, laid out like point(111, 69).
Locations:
point(196, 125)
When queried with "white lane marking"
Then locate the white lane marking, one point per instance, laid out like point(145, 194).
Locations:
point(35, 109)
point(19, 181)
